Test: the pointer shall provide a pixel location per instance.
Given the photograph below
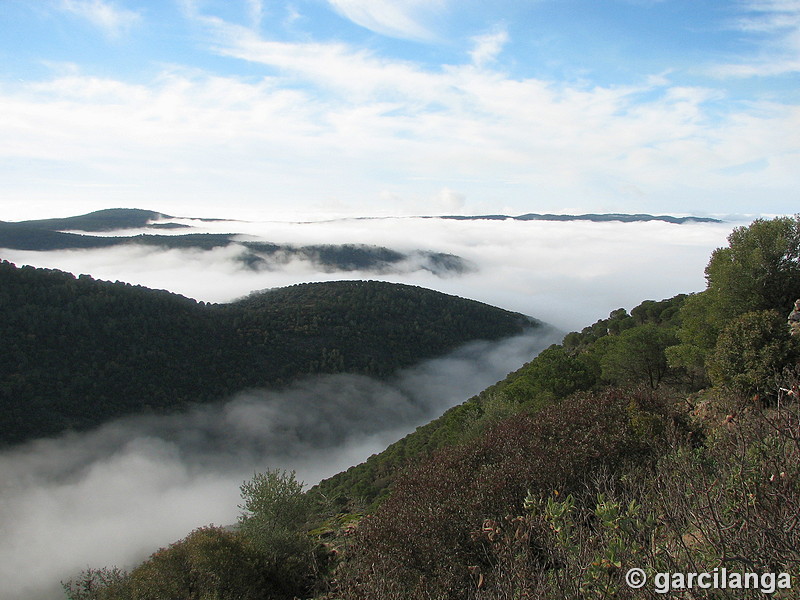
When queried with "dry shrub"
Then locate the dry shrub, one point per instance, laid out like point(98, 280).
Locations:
point(421, 542)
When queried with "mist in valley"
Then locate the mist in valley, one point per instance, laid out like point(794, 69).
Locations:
point(114, 495)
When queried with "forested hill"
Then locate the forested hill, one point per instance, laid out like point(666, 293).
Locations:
point(99, 220)
point(76, 351)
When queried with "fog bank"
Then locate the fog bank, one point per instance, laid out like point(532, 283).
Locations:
point(566, 273)
point(114, 495)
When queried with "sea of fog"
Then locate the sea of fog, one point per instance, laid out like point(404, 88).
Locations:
point(113, 495)
point(568, 274)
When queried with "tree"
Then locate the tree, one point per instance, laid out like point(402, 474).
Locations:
point(638, 354)
point(275, 521)
point(759, 270)
point(697, 335)
point(751, 351)
point(95, 584)
point(209, 563)
point(553, 374)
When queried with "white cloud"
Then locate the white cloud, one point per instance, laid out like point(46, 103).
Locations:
point(568, 274)
point(111, 19)
point(255, 9)
point(333, 125)
point(450, 201)
point(488, 46)
point(395, 18)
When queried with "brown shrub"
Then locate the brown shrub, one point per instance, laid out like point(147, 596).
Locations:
point(419, 543)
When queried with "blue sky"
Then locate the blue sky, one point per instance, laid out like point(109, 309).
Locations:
point(274, 109)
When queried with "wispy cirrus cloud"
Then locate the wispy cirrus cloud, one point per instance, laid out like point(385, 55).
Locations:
point(113, 20)
point(394, 18)
point(256, 12)
point(774, 28)
point(488, 46)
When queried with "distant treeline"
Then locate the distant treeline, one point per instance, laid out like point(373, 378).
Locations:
point(76, 352)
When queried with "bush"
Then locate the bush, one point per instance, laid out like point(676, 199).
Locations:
point(209, 563)
point(421, 542)
point(276, 522)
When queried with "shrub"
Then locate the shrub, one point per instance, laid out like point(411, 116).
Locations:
point(421, 543)
point(751, 351)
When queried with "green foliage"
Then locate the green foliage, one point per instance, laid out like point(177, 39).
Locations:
point(637, 354)
point(752, 350)
point(759, 270)
point(95, 584)
point(209, 564)
point(275, 514)
point(275, 520)
point(593, 568)
point(697, 336)
point(553, 374)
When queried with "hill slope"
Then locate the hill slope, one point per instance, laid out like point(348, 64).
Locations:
point(77, 352)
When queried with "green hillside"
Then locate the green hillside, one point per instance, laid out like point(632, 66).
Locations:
point(77, 352)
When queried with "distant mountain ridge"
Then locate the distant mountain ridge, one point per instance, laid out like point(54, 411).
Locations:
point(107, 219)
point(100, 220)
point(48, 234)
point(128, 218)
point(597, 218)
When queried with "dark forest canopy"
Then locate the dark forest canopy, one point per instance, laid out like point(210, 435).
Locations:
point(77, 351)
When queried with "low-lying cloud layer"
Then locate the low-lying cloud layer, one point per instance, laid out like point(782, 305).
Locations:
point(569, 274)
point(113, 495)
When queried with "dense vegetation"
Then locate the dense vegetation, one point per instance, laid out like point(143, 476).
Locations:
point(76, 352)
point(664, 439)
